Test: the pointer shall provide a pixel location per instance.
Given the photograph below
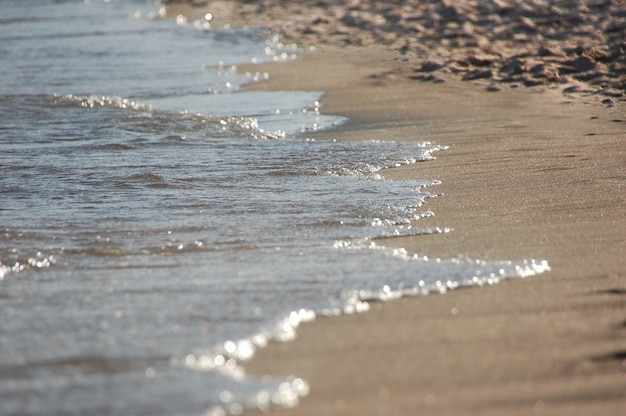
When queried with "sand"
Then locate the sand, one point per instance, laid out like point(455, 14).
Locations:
point(514, 42)
point(533, 170)
point(529, 174)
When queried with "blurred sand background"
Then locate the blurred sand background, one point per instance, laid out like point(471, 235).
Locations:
point(530, 98)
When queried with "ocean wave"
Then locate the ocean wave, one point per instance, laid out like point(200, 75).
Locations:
point(228, 125)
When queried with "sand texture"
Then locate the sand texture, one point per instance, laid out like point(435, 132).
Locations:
point(580, 44)
point(529, 97)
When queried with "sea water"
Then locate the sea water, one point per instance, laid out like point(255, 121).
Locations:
point(158, 224)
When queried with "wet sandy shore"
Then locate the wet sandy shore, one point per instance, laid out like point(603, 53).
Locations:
point(539, 176)
point(530, 98)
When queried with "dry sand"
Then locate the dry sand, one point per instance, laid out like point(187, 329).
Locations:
point(579, 44)
point(530, 173)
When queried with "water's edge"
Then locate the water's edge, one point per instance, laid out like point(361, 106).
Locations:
point(172, 250)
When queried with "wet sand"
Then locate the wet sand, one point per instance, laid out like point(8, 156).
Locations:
point(529, 97)
point(529, 174)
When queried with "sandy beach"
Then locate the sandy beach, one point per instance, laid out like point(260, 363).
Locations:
point(545, 179)
point(536, 168)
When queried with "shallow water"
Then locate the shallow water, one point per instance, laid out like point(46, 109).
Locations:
point(158, 224)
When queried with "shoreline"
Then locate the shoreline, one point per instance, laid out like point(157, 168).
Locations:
point(547, 179)
point(535, 133)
